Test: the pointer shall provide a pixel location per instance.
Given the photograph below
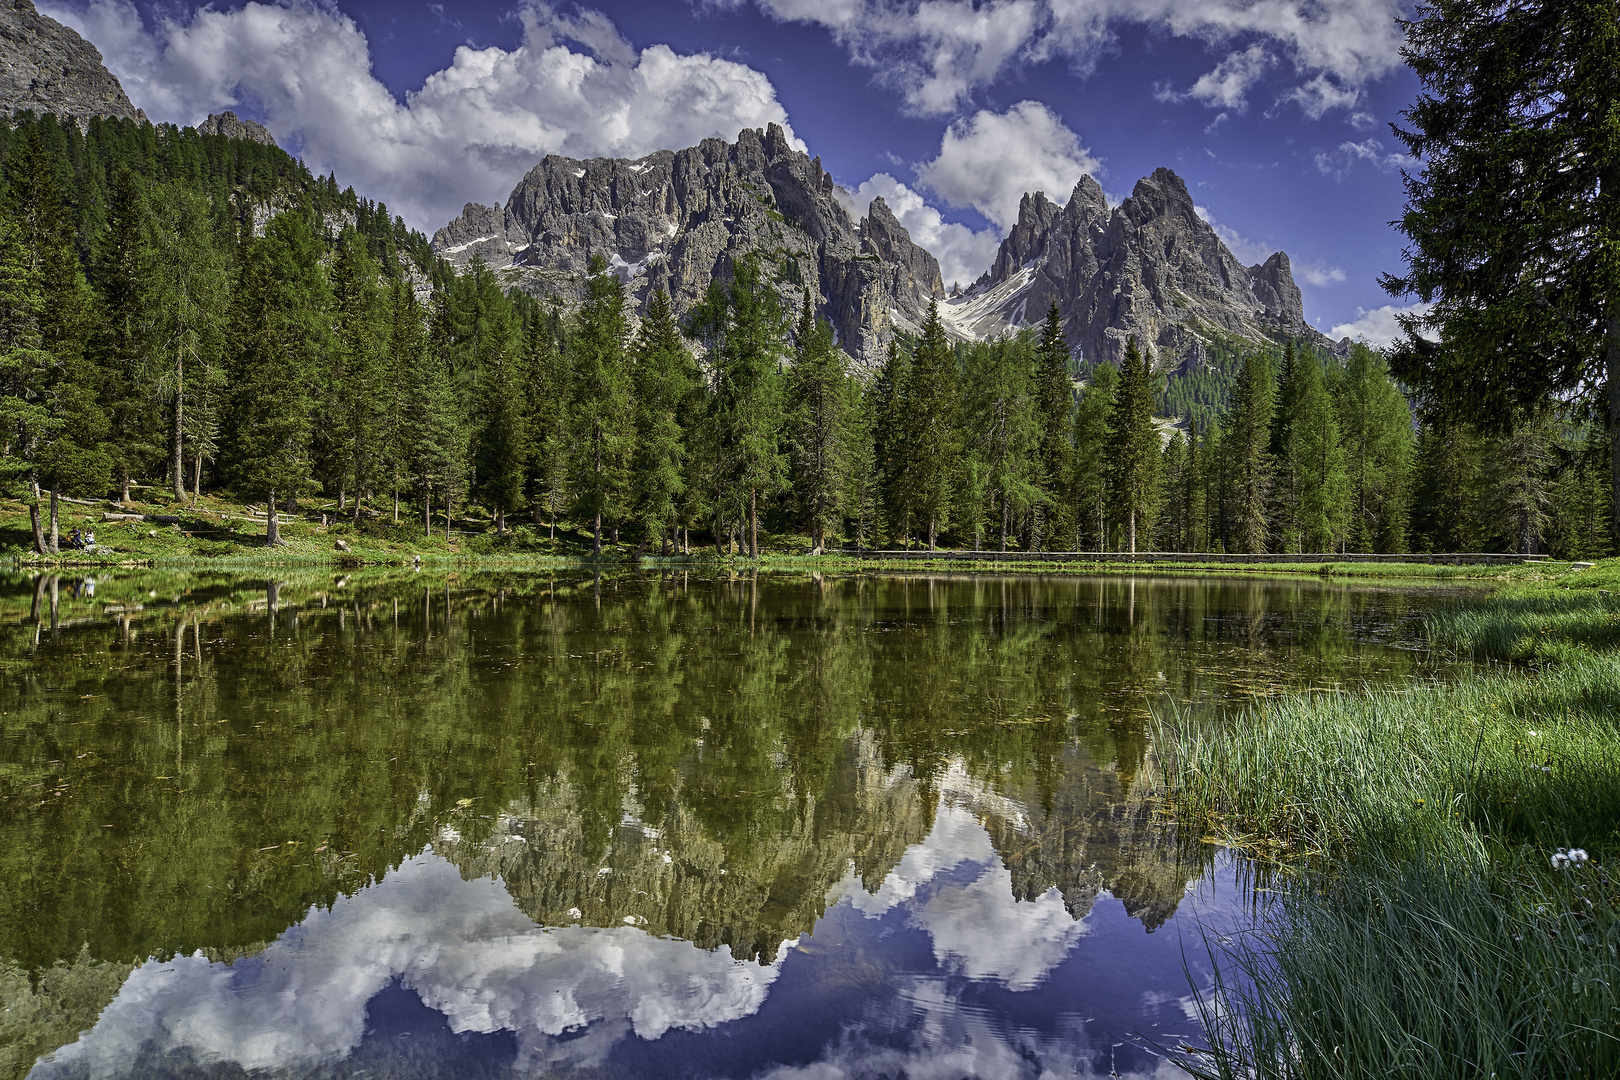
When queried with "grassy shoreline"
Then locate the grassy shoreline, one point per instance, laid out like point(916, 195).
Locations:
point(215, 534)
point(1418, 924)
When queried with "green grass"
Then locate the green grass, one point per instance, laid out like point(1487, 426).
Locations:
point(1416, 926)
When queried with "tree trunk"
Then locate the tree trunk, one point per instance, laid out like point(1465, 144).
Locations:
point(500, 522)
point(1133, 530)
point(596, 535)
point(39, 529)
point(342, 499)
point(753, 522)
point(272, 524)
point(56, 536)
point(1006, 522)
point(933, 531)
point(396, 506)
point(177, 453)
point(196, 476)
point(124, 493)
point(427, 510)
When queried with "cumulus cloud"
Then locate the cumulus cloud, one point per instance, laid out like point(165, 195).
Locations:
point(1227, 87)
point(463, 946)
point(1379, 327)
point(1319, 274)
point(573, 86)
point(1321, 95)
point(989, 160)
point(1339, 162)
point(963, 254)
point(938, 53)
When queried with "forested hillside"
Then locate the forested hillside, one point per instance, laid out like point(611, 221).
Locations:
point(201, 312)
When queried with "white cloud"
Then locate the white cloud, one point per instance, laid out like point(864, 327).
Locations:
point(1228, 85)
point(468, 133)
point(463, 946)
point(1321, 95)
point(1319, 274)
point(1338, 163)
point(1378, 327)
point(989, 160)
point(962, 253)
point(938, 53)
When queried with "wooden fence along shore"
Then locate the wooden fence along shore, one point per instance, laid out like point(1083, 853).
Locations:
point(1472, 558)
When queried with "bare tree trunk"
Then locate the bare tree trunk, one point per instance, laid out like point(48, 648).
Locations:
point(596, 535)
point(1133, 530)
point(1006, 521)
point(753, 522)
point(39, 529)
point(272, 524)
point(56, 536)
point(396, 506)
point(124, 493)
point(500, 521)
point(196, 476)
point(177, 454)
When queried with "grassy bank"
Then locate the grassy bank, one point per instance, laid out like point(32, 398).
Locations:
point(1419, 926)
point(214, 534)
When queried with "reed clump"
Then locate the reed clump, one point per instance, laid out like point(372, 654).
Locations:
point(1448, 908)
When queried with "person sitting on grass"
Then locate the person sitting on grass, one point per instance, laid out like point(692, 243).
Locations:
point(76, 541)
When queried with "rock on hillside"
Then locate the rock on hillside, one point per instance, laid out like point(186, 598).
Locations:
point(678, 220)
point(1150, 267)
point(51, 69)
point(234, 127)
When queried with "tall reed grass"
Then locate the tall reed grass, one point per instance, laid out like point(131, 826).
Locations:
point(1422, 929)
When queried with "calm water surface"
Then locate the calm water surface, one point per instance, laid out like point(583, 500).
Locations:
point(630, 827)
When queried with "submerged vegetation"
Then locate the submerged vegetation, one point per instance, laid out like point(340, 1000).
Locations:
point(1429, 919)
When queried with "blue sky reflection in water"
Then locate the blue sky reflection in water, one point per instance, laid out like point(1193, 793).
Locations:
point(938, 972)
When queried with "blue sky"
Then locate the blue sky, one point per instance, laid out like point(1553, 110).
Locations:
point(1275, 112)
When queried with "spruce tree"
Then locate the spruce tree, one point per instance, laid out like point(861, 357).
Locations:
point(748, 399)
point(1175, 512)
point(933, 442)
point(888, 410)
point(550, 421)
point(1054, 395)
point(1521, 478)
point(820, 426)
point(280, 338)
point(1245, 446)
point(25, 374)
point(1134, 454)
point(123, 343)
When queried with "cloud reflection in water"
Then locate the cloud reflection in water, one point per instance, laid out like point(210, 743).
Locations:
point(575, 995)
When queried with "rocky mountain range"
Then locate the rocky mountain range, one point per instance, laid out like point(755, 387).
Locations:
point(49, 68)
point(1150, 267)
point(678, 220)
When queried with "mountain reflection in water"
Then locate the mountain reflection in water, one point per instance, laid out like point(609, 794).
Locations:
point(940, 971)
point(640, 826)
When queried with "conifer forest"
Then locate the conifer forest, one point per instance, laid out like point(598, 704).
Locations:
point(202, 313)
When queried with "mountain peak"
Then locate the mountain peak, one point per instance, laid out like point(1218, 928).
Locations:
point(51, 69)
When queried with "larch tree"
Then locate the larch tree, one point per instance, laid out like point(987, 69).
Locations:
point(1376, 427)
point(1093, 435)
point(748, 397)
point(1008, 429)
point(1315, 461)
point(601, 403)
point(665, 375)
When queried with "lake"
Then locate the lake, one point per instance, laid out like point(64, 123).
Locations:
point(677, 825)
